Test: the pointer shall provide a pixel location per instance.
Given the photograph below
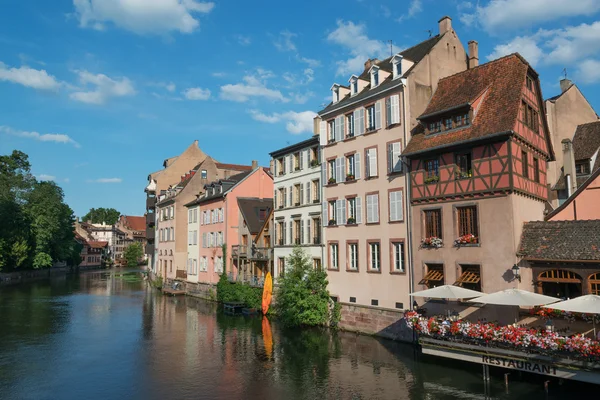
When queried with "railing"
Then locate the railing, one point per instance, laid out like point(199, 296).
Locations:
point(150, 234)
point(150, 202)
point(150, 249)
point(181, 274)
point(150, 219)
point(317, 239)
point(239, 250)
point(256, 281)
point(260, 253)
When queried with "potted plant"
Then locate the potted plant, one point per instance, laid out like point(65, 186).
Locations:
point(459, 174)
point(331, 141)
point(332, 222)
point(331, 181)
point(432, 179)
point(350, 177)
point(314, 163)
point(351, 221)
point(432, 242)
point(469, 238)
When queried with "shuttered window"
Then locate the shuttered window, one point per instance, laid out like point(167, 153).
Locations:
point(372, 208)
point(371, 162)
point(394, 160)
point(395, 206)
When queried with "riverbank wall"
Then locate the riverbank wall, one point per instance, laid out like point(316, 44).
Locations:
point(13, 278)
point(377, 321)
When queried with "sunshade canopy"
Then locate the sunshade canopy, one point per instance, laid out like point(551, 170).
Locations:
point(515, 297)
point(448, 292)
point(588, 304)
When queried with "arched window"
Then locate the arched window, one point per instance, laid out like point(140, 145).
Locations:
point(560, 283)
point(595, 283)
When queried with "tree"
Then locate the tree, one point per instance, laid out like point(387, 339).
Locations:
point(133, 254)
point(302, 297)
point(110, 216)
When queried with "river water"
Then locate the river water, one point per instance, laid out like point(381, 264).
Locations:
point(108, 335)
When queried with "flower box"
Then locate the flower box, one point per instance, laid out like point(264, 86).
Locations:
point(466, 240)
point(432, 242)
point(314, 163)
point(351, 221)
point(350, 177)
point(463, 174)
point(331, 181)
point(431, 179)
point(332, 222)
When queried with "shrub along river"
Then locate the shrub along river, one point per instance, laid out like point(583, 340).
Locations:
point(109, 335)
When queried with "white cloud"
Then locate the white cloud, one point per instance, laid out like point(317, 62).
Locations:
point(46, 137)
point(301, 98)
point(311, 62)
point(354, 38)
point(385, 11)
point(44, 177)
point(414, 8)
point(295, 122)
point(218, 74)
point(66, 180)
point(142, 17)
point(99, 88)
point(500, 15)
point(564, 46)
point(243, 40)
point(105, 180)
point(253, 86)
point(196, 93)
point(308, 75)
point(284, 42)
point(26, 76)
point(588, 71)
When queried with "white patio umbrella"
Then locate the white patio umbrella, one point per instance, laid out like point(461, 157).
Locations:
point(515, 297)
point(448, 292)
point(588, 304)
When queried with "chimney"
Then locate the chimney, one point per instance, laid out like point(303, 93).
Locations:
point(370, 62)
point(473, 54)
point(569, 166)
point(445, 24)
point(254, 164)
point(565, 84)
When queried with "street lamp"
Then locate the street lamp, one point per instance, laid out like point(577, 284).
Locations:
point(516, 272)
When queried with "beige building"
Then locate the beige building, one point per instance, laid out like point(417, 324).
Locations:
point(564, 112)
point(363, 133)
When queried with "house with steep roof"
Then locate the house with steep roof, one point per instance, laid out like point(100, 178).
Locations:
point(363, 133)
point(477, 173)
point(217, 212)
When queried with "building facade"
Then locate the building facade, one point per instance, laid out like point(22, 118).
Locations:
point(363, 133)
point(478, 172)
point(297, 201)
point(219, 220)
point(112, 235)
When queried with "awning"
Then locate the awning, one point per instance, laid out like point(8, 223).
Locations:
point(468, 277)
point(434, 276)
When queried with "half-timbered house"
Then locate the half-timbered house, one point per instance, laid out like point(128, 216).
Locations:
point(478, 172)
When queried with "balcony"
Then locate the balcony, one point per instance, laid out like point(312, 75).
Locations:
point(260, 253)
point(181, 274)
point(150, 234)
point(239, 251)
point(150, 248)
point(150, 219)
point(150, 203)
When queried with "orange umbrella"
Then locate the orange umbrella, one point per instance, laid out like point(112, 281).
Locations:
point(267, 337)
point(267, 293)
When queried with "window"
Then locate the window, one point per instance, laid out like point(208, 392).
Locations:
point(582, 168)
point(350, 123)
point(350, 172)
point(536, 170)
point(315, 191)
point(354, 86)
point(204, 174)
point(433, 223)
point(392, 110)
point(281, 166)
point(317, 264)
point(458, 121)
point(398, 68)
point(398, 257)
point(435, 127)
point(351, 210)
point(395, 206)
point(219, 264)
point(394, 160)
point(529, 116)
point(281, 266)
point(372, 208)
point(331, 125)
point(332, 212)
point(297, 229)
point(434, 276)
point(316, 230)
point(353, 256)
point(470, 277)
point(371, 118)
point(529, 82)
point(374, 256)
point(190, 216)
point(463, 164)
point(280, 198)
point(432, 168)
point(314, 156)
point(371, 162)
point(172, 233)
point(333, 256)
point(331, 167)
point(297, 194)
point(448, 123)
point(467, 221)
point(297, 161)
point(525, 164)
point(204, 264)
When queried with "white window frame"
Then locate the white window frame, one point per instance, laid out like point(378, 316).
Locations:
point(375, 262)
point(372, 201)
point(396, 205)
point(334, 255)
point(353, 256)
point(397, 260)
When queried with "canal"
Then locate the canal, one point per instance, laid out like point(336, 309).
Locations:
point(108, 335)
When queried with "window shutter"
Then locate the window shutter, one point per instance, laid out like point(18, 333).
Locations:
point(369, 208)
point(378, 115)
point(375, 208)
point(324, 211)
point(358, 210)
point(323, 173)
point(275, 204)
point(357, 167)
point(309, 240)
point(337, 129)
point(339, 169)
point(301, 231)
point(284, 233)
point(390, 157)
point(323, 132)
point(343, 211)
point(337, 212)
point(284, 200)
point(372, 159)
point(396, 160)
point(291, 194)
point(393, 207)
point(301, 161)
point(301, 199)
point(291, 232)
point(342, 124)
point(308, 198)
point(388, 111)
point(395, 109)
point(291, 162)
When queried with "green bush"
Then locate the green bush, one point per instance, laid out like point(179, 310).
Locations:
point(302, 295)
point(238, 292)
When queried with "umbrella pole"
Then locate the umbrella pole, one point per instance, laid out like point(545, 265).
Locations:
point(594, 321)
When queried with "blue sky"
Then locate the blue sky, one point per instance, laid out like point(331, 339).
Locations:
point(99, 92)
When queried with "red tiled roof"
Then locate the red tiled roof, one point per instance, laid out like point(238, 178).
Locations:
point(236, 167)
point(135, 223)
point(499, 81)
point(97, 244)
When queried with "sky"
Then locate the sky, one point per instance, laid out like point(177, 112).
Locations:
point(99, 92)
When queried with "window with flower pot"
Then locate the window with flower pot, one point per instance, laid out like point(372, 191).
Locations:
point(331, 207)
point(331, 171)
point(432, 173)
point(350, 123)
point(354, 207)
point(350, 168)
point(434, 276)
point(433, 223)
point(352, 258)
point(463, 166)
point(470, 277)
point(314, 156)
point(467, 223)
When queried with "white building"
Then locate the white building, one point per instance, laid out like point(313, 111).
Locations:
point(111, 234)
point(297, 202)
point(193, 250)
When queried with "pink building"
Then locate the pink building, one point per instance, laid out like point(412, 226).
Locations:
point(218, 213)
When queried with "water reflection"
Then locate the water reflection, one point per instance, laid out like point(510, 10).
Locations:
point(110, 336)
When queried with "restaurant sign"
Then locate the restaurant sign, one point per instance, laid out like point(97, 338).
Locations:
point(521, 365)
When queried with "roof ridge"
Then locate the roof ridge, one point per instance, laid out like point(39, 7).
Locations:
point(515, 54)
point(420, 43)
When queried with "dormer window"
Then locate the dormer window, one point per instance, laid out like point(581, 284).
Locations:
point(353, 85)
point(335, 93)
point(220, 188)
point(374, 72)
point(582, 168)
point(397, 66)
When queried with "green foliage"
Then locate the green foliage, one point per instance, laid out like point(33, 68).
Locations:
point(158, 282)
point(242, 292)
point(224, 250)
point(37, 226)
point(302, 298)
point(99, 215)
point(133, 254)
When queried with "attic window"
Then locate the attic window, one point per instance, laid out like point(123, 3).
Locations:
point(397, 65)
point(582, 168)
point(220, 188)
point(335, 91)
point(204, 174)
point(353, 85)
point(262, 214)
point(375, 77)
